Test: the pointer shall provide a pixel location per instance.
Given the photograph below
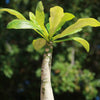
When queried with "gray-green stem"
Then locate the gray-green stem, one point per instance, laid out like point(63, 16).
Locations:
point(46, 88)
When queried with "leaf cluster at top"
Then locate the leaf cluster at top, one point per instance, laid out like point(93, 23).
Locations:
point(56, 21)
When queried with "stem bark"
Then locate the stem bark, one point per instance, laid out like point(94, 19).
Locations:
point(46, 88)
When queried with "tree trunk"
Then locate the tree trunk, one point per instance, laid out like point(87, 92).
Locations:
point(46, 88)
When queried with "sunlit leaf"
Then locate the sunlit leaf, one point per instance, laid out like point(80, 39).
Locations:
point(66, 17)
point(40, 17)
point(60, 36)
point(56, 13)
point(32, 16)
point(33, 19)
point(48, 27)
point(82, 22)
point(38, 43)
point(14, 12)
point(58, 18)
point(78, 39)
point(83, 42)
point(22, 24)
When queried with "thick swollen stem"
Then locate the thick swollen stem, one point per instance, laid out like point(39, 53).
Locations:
point(46, 88)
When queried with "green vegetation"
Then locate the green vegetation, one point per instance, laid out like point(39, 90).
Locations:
point(14, 49)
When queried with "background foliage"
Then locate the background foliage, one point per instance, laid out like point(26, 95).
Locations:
point(75, 74)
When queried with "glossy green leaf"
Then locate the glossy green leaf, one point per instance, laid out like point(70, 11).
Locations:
point(82, 22)
point(38, 43)
point(58, 18)
point(48, 27)
point(40, 17)
point(22, 24)
point(60, 35)
point(14, 12)
point(33, 19)
point(56, 13)
point(66, 17)
point(32, 16)
point(83, 42)
point(78, 39)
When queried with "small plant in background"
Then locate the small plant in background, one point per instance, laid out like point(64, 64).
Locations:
point(49, 35)
point(71, 78)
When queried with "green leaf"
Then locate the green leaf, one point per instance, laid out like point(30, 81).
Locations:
point(40, 17)
point(22, 24)
point(32, 17)
point(56, 13)
point(82, 22)
point(58, 18)
point(8, 71)
point(78, 39)
point(83, 42)
point(14, 12)
point(66, 17)
point(38, 43)
point(48, 27)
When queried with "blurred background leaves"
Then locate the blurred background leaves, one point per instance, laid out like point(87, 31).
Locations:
point(75, 73)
